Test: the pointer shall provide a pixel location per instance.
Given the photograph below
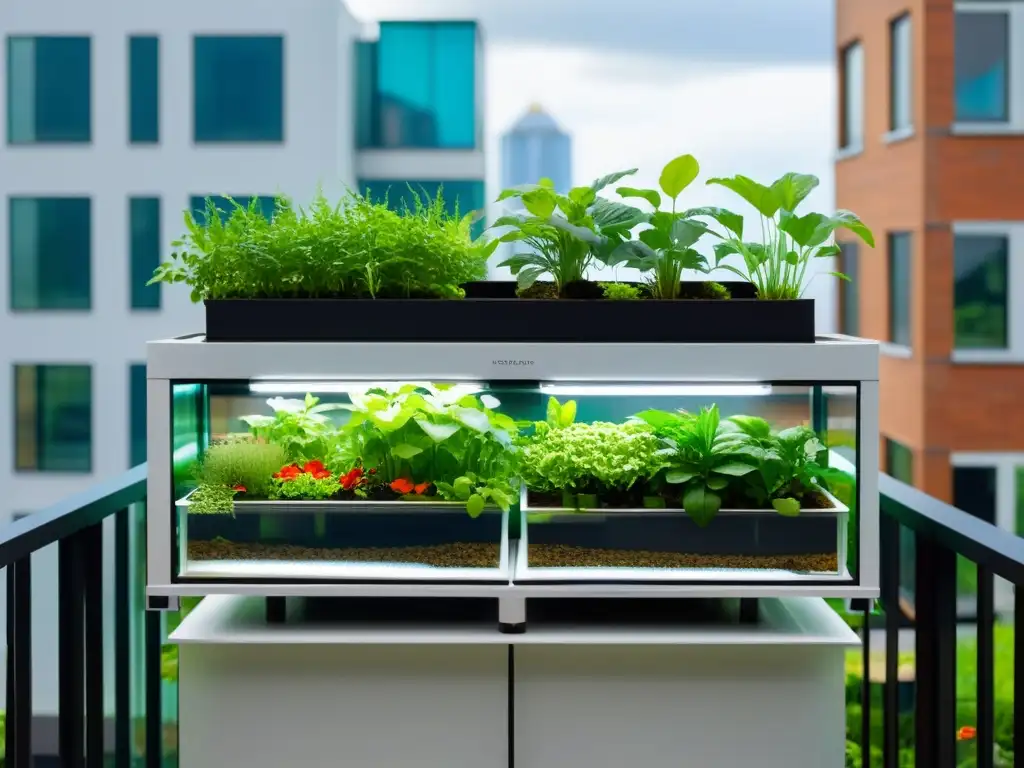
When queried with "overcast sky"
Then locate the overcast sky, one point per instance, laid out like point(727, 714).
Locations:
point(747, 86)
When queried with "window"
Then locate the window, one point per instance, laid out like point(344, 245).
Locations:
point(239, 88)
point(982, 66)
point(849, 319)
point(416, 87)
point(974, 491)
point(980, 306)
point(49, 96)
point(901, 67)
point(53, 418)
point(225, 205)
point(144, 90)
point(899, 462)
point(464, 196)
point(1019, 516)
point(144, 241)
point(899, 289)
point(851, 122)
point(137, 414)
point(50, 252)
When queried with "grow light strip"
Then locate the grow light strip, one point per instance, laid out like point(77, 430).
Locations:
point(274, 387)
point(655, 390)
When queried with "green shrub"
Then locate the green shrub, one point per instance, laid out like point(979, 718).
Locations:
point(620, 291)
point(242, 462)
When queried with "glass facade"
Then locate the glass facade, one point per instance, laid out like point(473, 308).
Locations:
point(416, 86)
point(851, 124)
point(464, 196)
point(899, 289)
point(144, 225)
point(536, 148)
point(50, 253)
point(225, 205)
point(49, 90)
point(53, 418)
point(981, 293)
point(900, 74)
point(239, 89)
point(982, 66)
point(136, 414)
point(849, 318)
point(144, 89)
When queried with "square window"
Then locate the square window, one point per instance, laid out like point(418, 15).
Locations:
point(50, 242)
point(53, 418)
point(899, 461)
point(981, 299)
point(239, 89)
point(849, 318)
point(851, 122)
point(899, 289)
point(900, 74)
point(982, 66)
point(49, 90)
point(144, 89)
point(144, 239)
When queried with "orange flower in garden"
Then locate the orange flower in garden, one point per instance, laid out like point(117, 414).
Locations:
point(421, 488)
point(352, 479)
point(289, 472)
point(239, 488)
point(402, 485)
point(966, 733)
point(316, 469)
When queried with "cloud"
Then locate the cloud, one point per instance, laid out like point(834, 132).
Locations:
point(769, 31)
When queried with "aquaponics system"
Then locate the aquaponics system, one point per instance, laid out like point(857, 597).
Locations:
point(380, 422)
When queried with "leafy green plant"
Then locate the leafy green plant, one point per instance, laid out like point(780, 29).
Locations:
point(243, 463)
point(300, 427)
point(777, 264)
point(620, 291)
point(305, 487)
point(356, 248)
point(477, 492)
point(701, 456)
point(665, 249)
point(565, 232)
point(212, 500)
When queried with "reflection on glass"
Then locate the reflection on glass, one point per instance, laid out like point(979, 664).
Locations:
point(899, 288)
point(982, 66)
point(981, 273)
point(852, 125)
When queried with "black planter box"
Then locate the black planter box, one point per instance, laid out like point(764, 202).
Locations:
point(491, 312)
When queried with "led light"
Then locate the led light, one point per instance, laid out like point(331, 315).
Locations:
point(655, 390)
point(313, 386)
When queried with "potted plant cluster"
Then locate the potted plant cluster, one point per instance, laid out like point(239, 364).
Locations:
point(416, 473)
point(361, 272)
point(678, 490)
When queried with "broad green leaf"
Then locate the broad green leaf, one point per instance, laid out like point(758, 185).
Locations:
point(764, 199)
point(806, 231)
point(788, 507)
point(517, 191)
point(553, 412)
point(463, 487)
point(650, 195)
point(528, 277)
point(689, 258)
point(734, 469)
point(489, 401)
point(580, 233)
point(840, 276)
point(614, 216)
point(475, 505)
point(687, 232)
point(635, 253)
point(258, 421)
point(677, 477)
point(502, 499)
point(438, 432)
point(567, 414)
point(471, 418)
point(678, 174)
point(717, 483)
point(827, 251)
point(406, 451)
point(656, 239)
point(610, 179)
point(391, 419)
point(661, 420)
point(445, 489)
point(849, 221)
point(583, 196)
point(540, 202)
point(753, 425)
point(701, 505)
point(725, 250)
point(793, 188)
point(518, 262)
point(792, 257)
point(731, 221)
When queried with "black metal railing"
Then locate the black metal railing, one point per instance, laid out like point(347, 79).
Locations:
point(84, 733)
point(912, 713)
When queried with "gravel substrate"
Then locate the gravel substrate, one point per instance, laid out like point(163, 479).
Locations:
point(457, 555)
point(558, 556)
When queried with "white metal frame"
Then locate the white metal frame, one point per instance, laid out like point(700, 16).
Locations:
point(832, 360)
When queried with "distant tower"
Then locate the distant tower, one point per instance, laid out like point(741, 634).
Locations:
point(535, 147)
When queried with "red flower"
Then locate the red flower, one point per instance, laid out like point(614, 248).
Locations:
point(240, 488)
point(421, 488)
point(352, 479)
point(402, 486)
point(289, 472)
point(313, 467)
point(966, 733)
point(373, 472)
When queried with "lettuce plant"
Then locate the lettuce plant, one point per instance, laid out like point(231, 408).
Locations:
point(777, 264)
point(300, 427)
point(243, 464)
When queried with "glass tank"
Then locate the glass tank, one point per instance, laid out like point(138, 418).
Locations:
point(487, 482)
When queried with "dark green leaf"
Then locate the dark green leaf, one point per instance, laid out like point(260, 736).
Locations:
point(677, 477)
point(764, 199)
point(650, 195)
point(701, 505)
point(724, 250)
point(792, 188)
point(661, 419)
point(610, 215)
point(611, 178)
point(678, 174)
point(754, 426)
point(511, 220)
point(731, 221)
point(792, 257)
point(580, 233)
point(717, 483)
point(655, 238)
point(849, 221)
point(827, 251)
point(734, 469)
point(635, 253)
point(528, 276)
point(806, 231)
point(687, 232)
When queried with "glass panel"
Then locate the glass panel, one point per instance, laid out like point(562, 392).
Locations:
point(982, 62)
point(227, 203)
point(529, 154)
point(849, 322)
point(981, 270)
point(461, 196)
point(852, 126)
point(425, 75)
point(366, 94)
point(144, 221)
point(137, 414)
point(899, 289)
point(239, 88)
point(51, 248)
point(53, 418)
point(49, 90)
point(407, 480)
point(974, 491)
point(899, 461)
point(901, 74)
point(144, 89)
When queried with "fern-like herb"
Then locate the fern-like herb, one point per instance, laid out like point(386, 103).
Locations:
point(244, 463)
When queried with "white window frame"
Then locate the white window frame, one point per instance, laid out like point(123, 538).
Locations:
point(1015, 75)
point(1013, 231)
point(897, 132)
point(855, 145)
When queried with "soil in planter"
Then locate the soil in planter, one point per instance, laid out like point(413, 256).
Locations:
point(559, 556)
point(454, 555)
point(634, 499)
point(589, 290)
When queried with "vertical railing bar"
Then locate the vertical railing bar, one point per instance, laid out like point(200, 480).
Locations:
point(122, 643)
point(986, 667)
point(890, 552)
point(92, 559)
point(154, 713)
point(865, 692)
point(1018, 666)
point(71, 654)
point(18, 735)
point(11, 733)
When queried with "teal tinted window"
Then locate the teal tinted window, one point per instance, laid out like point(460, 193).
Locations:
point(50, 251)
point(144, 89)
point(137, 414)
point(982, 66)
point(239, 88)
point(144, 223)
point(53, 418)
point(48, 90)
point(225, 205)
point(421, 77)
point(899, 289)
point(899, 461)
point(464, 196)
